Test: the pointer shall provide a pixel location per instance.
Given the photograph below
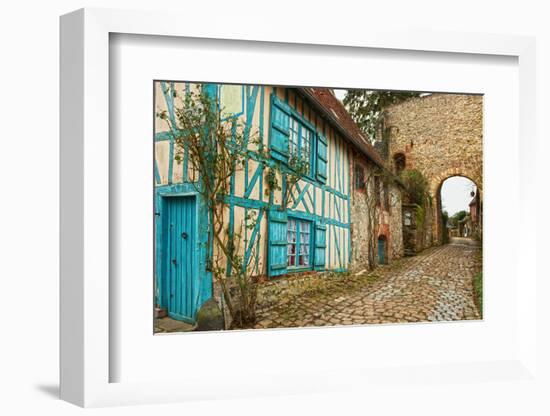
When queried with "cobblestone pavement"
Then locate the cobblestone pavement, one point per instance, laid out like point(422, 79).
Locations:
point(167, 324)
point(435, 285)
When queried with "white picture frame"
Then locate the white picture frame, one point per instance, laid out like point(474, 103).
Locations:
point(86, 356)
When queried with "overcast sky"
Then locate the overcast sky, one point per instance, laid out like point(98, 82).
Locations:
point(340, 94)
point(455, 194)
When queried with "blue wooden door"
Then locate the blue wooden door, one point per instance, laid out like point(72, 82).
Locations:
point(381, 250)
point(180, 286)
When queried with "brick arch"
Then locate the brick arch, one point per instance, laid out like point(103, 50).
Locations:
point(435, 192)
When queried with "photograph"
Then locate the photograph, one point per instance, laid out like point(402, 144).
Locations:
point(292, 207)
point(233, 208)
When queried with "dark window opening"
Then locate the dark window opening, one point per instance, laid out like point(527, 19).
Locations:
point(359, 177)
point(399, 161)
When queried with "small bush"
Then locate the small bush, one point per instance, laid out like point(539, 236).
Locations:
point(416, 185)
point(478, 293)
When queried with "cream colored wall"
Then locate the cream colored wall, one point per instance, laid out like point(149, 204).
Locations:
point(162, 148)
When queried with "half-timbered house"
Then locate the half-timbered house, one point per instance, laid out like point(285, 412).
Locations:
point(313, 233)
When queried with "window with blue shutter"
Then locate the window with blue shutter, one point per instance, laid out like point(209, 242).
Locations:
point(320, 246)
point(322, 158)
point(277, 235)
point(299, 143)
point(292, 136)
point(280, 129)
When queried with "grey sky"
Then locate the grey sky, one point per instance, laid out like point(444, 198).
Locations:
point(340, 94)
point(455, 194)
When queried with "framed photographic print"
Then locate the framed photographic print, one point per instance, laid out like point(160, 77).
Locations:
point(289, 213)
point(321, 207)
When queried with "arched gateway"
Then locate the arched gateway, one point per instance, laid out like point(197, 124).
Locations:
point(435, 194)
point(441, 135)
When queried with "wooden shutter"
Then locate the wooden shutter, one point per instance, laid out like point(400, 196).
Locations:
point(320, 246)
point(277, 242)
point(280, 129)
point(322, 159)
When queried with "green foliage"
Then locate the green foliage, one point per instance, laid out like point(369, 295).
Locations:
point(460, 215)
point(478, 292)
point(444, 230)
point(416, 185)
point(367, 107)
point(271, 181)
point(457, 217)
point(296, 168)
point(420, 216)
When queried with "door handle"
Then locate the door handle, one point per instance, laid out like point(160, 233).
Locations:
point(174, 262)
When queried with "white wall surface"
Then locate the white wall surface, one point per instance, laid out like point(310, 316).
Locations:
point(29, 209)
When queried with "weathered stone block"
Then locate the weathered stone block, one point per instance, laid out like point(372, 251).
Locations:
point(210, 317)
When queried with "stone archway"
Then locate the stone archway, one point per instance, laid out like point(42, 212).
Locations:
point(440, 135)
point(435, 193)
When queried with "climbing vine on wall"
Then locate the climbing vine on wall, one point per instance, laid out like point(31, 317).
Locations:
point(217, 148)
point(296, 168)
point(416, 186)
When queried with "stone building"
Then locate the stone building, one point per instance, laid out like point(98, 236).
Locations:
point(375, 200)
point(476, 216)
point(441, 135)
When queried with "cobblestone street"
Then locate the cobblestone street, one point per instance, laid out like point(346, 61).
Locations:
point(435, 285)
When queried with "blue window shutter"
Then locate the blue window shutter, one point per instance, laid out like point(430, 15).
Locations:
point(322, 158)
point(280, 129)
point(320, 246)
point(277, 242)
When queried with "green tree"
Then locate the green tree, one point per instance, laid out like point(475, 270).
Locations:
point(367, 107)
point(456, 217)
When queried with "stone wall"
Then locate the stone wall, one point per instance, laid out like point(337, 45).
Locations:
point(417, 229)
point(359, 227)
point(396, 222)
point(441, 135)
point(388, 220)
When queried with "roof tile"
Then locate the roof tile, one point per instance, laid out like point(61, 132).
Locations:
point(334, 109)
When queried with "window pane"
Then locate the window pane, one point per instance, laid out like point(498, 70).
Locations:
point(291, 261)
point(306, 139)
point(293, 139)
point(291, 242)
point(298, 234)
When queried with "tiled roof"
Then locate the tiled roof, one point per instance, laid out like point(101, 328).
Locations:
point(335, 110)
